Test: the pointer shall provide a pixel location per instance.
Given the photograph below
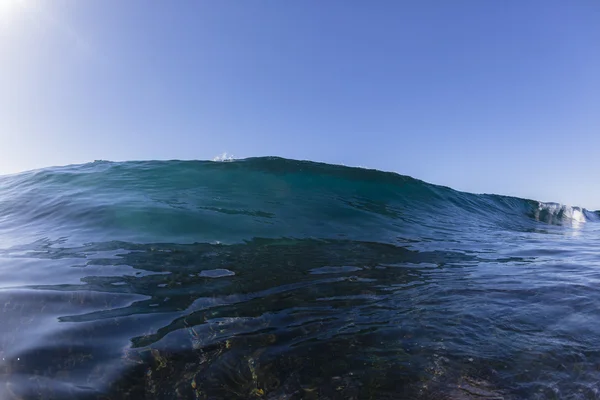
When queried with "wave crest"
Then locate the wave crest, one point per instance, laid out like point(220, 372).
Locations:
point(558, 214)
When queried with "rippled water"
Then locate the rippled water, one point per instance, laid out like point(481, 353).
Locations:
point(277, 279)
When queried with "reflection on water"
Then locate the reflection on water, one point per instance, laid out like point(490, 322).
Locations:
point(296, 319)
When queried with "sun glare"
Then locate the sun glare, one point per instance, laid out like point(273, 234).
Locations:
point(9, 9)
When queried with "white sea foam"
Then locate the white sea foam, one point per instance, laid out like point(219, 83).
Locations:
point(224, 157)
point(554, 213)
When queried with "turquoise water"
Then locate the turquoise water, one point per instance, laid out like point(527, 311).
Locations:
point(279, 279)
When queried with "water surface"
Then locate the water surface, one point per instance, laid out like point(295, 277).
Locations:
point(280, 279)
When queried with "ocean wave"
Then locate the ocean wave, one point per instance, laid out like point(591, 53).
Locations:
point(188, 201)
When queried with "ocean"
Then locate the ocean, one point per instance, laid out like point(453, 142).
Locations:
point(270, 278)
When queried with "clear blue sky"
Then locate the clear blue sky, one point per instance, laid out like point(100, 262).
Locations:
point(482, 96)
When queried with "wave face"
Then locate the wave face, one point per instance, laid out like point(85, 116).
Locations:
point(275, 278)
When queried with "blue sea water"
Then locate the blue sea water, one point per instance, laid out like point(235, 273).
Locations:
point(281, 279)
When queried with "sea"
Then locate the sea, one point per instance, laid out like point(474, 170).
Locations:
point(270, 278)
